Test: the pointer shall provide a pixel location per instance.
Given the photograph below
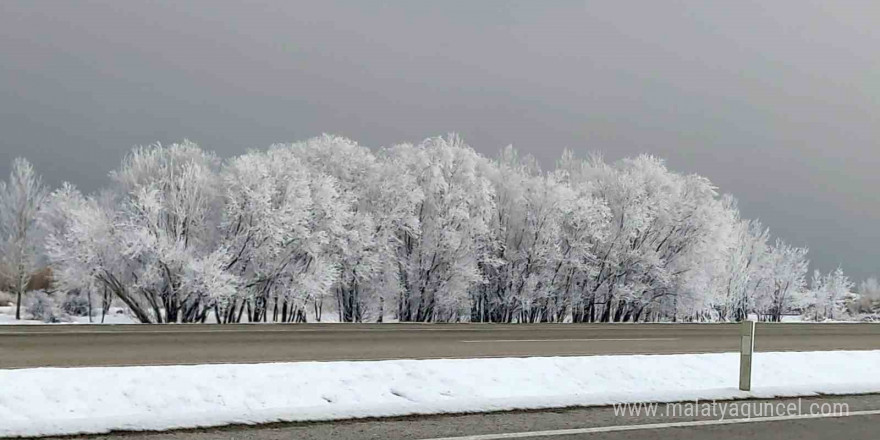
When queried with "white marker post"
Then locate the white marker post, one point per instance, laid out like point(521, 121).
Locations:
point(747, 347)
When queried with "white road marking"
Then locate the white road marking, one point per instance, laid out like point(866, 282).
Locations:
point(620, 428)
point(481, 341)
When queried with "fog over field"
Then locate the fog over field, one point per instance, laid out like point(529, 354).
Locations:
point(775, 102)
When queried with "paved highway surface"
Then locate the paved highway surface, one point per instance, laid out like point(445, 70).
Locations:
point(581, 423)
point(84, 345)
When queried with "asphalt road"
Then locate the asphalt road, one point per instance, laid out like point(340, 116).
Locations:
point(583, 423)
point(84, 345)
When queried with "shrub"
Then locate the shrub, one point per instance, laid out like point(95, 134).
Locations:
point(76, 303)
point(39, 305)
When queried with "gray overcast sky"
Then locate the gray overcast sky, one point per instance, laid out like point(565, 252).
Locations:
point(778, 102)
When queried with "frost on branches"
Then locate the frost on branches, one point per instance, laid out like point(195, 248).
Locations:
point(429, 232)
point(20, 201)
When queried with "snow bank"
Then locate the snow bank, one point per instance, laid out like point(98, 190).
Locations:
point(53, 401)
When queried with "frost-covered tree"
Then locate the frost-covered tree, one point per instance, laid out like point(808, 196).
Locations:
point(168, 214)
point(744, 271)
point(659, 222)
point(756, 276)
point(785, 271)
point(829, 295)
point(377, 202)
point(433, 232)
point(525, 253)
point(21, 199)
point(869, 296)
point(85, 249)
point(279, 220)
point(439, 264)
point(153, 245)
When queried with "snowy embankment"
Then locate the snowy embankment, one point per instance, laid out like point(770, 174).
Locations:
point(52, 401)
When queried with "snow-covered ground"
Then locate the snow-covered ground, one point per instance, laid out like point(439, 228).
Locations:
point(121, 315)
point(52, 401)
point(116, 316)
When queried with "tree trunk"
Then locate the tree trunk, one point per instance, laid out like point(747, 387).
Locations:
point(105, 304)
point(381, 309)
point(18, 306)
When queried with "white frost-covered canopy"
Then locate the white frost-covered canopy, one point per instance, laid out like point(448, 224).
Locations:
point(428, 232)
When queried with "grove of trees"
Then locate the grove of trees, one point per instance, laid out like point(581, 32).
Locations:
point(430, 233)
